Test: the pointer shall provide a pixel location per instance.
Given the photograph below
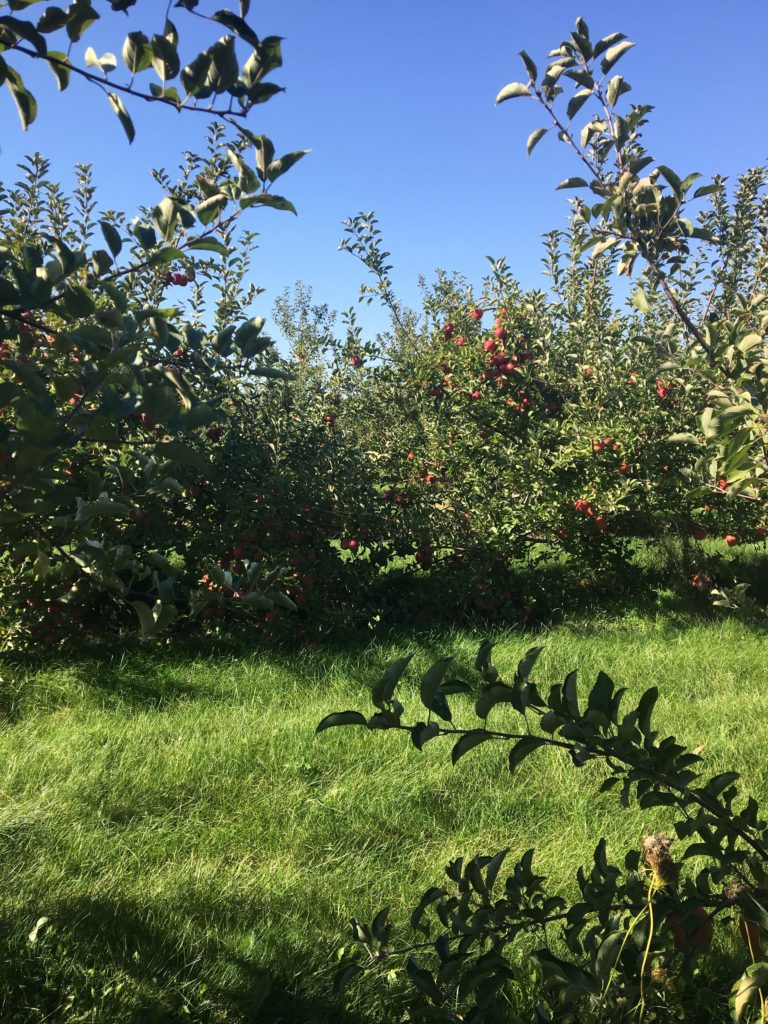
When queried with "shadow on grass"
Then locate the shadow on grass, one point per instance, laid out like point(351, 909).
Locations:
point(417, 608)
point(108, 960)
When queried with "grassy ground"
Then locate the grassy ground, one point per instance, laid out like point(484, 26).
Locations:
point(188, 837)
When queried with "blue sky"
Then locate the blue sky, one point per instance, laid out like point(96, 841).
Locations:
point(396, 102)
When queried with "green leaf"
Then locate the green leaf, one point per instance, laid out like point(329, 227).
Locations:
point(26, 104)
point(106, 63)
point(423, 981)
point(496, 693)
point(534, 138)
point(267, 199)
point(430, 681)
point(576, 102)
point(468, 742)
point(178, 451)
point(237, 25)
point(530, 67)
point(573, 183)
point(209, 209)
point(483, 661)
point(525, 665)
point(341, 718)
point(616, 87)
point(164, 59)
point(224, 68)
point(194, 77)
point(683, 439)
point(601, 695)
point(80, 17)
point(265, 153)
point(604, 244)
point(384, 689)
point(270, 372)
point(78, 300)
point(747, 988)
point(513, 90)
point(137, 52)
point(122, 115)
point(607, 41)
point(58, 62)
point(608, 953)
point(209, 244)
point(278, 167)
point(422, 732)
point(345, 976)
point(52, 20)
point(523, 748)
point(111, 237)
point(614, 54)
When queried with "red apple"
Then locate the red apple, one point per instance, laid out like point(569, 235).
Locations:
point(700, 533)
point(691, 931)
point(731, 540)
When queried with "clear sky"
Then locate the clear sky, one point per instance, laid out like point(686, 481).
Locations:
point(396, 102)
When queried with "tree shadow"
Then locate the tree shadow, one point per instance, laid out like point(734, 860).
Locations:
point(88, 942)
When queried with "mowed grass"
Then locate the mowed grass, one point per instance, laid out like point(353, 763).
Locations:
point(188, 836)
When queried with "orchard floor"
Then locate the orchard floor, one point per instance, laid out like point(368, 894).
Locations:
point(198, 851)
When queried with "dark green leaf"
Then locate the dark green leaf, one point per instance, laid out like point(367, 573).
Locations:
point(345, 976)
point(430, 682)
point(614, 54)
point(59, 64)
point(534, 138)
point(384, 689)
point(423, 981)
point(468, 742)
point(266, 199)
point(341, 718)
point(523, 748)
point(573, 183)
point(122, 114)
point(210, 244)
point(111, 237)
point(512, 90)
point(278, 167)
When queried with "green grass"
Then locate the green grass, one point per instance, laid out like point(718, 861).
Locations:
point(187, 835)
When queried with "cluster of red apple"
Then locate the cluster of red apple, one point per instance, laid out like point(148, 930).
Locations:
point(583, 506)
point(172, 278)
point(702, 582)
point(661, 388)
